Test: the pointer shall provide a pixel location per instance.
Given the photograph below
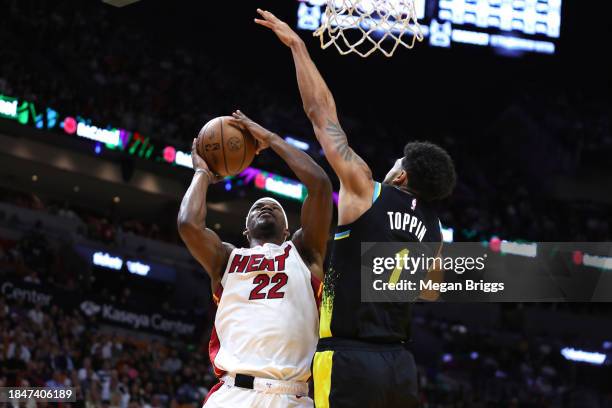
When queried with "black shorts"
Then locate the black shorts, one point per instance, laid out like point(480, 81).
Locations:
point(350, 374)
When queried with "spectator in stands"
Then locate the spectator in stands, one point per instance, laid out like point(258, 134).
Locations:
point(59, 380)
point(475, 369)
point(36, 315)
point(172, 363)
point(18, 350)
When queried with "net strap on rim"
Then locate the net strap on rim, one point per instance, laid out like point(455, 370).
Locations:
point(368, 24)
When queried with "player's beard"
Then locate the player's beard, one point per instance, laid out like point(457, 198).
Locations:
point(266, 230)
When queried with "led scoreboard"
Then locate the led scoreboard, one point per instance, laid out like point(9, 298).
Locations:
point(512, 27)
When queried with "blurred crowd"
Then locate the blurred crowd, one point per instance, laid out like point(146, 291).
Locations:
point(503, 367)
point(460, 367)
point(48, 347)
point(82, 60)
point(42, 257)
point(102, 224)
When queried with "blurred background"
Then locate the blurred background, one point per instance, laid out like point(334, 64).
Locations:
point(98, 108)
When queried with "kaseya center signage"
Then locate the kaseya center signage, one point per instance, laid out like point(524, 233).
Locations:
point(137, 321)
point(153, 321)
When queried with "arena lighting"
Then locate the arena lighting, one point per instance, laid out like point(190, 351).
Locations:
point(133, 143)
point(577, 257)
point(169, 154)
point(274, 183)
point(138, 268)
point(583, 356)
point(292, 190)
point(448, 234)
point(106, 260)
point(70, 125)
point(470, 37)
point(500, 374)
point(529, 250)
point(297, 143)
point(119, 3)
point(183, 159)
point(8, 107)
point(511, 27)
point(522, 44)
point(602, 262)
point(106, 136)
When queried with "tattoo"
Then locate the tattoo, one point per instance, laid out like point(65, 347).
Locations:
point(340, 142)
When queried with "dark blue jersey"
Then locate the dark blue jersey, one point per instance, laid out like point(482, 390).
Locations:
point(395, 216)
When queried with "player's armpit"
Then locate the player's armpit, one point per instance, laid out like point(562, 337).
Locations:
point(313, 258)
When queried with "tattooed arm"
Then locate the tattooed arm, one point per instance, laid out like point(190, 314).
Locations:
point(356, 184)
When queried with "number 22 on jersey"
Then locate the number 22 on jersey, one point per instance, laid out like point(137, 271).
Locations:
point(273, 285)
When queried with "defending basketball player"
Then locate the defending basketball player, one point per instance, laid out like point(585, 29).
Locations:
point(362, 359)
point(265, 331)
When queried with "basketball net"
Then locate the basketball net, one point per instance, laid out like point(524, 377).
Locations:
point(363, 26)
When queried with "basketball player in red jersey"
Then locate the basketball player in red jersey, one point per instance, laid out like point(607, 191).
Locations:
point(266, 325)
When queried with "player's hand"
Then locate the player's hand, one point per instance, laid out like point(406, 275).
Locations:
point(263, 137)
point(280, 28)
point(199, 164)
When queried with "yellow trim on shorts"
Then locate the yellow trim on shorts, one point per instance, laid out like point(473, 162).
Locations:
point(322, 370)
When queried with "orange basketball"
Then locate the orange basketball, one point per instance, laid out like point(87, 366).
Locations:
point(226, 148)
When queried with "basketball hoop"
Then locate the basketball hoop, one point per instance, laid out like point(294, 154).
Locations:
point(362, 26)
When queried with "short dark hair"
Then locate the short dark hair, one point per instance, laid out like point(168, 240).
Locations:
point(430, 169)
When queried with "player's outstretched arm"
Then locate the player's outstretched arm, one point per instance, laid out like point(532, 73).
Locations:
point(354, 174)
point(311, 238)
point(205, 246)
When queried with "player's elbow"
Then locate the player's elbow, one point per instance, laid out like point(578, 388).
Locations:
point(319, 111)
point(322, 184)
point(313, 113)
point(187, 227)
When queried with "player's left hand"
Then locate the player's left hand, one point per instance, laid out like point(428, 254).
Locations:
point(262, 136)
point(199, 164)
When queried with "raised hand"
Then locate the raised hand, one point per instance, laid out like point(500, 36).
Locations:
point(280, 28)
point(262, 136)
point(199, 164)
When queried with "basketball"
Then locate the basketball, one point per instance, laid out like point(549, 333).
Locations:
point(226, 148)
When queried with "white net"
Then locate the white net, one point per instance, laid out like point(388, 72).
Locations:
point(364, 26)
